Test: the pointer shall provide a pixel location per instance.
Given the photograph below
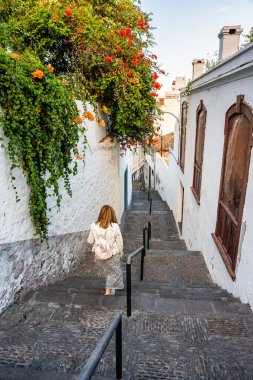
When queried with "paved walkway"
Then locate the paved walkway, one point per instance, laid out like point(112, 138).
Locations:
point(183, 326)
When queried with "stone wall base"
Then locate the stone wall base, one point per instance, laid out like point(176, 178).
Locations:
point(28, 264)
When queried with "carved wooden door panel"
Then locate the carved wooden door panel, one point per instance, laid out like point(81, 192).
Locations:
point(235, 167)
point(199, 151)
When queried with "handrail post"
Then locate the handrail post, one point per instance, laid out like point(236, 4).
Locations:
point(128, 278)
point(150, 206)
point(149, 233)
point(142, 263)
point(148, 194)
point(144, 240)
point(119, 350)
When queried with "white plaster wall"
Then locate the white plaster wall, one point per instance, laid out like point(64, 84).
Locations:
point(25, 262)
point(169, 121)
point(99, 180)
point(200, 221)
point(170, 176)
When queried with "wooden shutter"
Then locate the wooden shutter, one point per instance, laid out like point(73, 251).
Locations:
point(184, 111)
point(234, 178)
point(199, 151)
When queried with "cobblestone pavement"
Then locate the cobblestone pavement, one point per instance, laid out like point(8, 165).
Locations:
point(183, 326)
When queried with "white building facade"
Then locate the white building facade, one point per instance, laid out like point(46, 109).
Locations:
point(170, 105)
point(209, 179)
point(103, 178)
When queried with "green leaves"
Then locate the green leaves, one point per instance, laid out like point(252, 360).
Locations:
point(38, 118)
point(92, 50)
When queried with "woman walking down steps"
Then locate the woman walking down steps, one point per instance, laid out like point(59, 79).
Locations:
point(107, 228)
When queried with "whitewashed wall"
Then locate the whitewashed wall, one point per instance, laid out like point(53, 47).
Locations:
point(25, 262)
point(218, 89)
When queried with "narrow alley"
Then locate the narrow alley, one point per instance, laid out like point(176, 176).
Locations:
point(183, 326)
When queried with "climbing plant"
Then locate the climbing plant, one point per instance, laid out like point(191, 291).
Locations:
point(55, 51)
point(103, 47)
point(41, 122)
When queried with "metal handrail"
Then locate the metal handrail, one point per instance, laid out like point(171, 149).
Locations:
point(150, 205)
point(88, 370)
point(149, 233)
point(129, 274)
point(150, 201)
point(130, 257)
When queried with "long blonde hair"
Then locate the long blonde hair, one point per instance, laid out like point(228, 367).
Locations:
point(106, 216)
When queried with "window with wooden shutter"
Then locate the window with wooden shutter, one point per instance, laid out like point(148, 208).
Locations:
point(199, 151)
point(184, 111)
point(234, 177)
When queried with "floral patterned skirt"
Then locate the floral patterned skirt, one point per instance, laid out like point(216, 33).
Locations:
point(112, 270)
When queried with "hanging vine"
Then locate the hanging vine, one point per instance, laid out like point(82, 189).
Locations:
point(41, 122)
point(93, 50)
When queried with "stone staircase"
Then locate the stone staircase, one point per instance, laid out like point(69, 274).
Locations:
point(183, 326)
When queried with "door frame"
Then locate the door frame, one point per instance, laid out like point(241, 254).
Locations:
point(240, 107)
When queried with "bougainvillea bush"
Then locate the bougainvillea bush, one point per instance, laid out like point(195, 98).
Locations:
point(97, 51)
point(41, 121)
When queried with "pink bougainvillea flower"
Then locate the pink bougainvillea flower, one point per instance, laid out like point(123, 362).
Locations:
point(153, 93)
point(123, 64)
point(68, 12)
point(108, 58)
point(120, 8)
point(129, 73)
point(128, 31)
point(38, 110)
point(151, 121)
point(162, 72)
point(141, 55)
point(155, 76)
point(130, 43)
point(154, 56)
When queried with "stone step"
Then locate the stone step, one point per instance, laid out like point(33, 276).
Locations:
point(36, 314)
point(173, 252)
point(133, 213)
point(177, 268)
point(175, 244)
point(170, 290)
point(157, 236)
point(143, 197)
point(19, 373)
point(90, 300)
point(191, 307)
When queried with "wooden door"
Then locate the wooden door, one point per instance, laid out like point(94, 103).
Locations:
point(199, 151)
point(234, 178)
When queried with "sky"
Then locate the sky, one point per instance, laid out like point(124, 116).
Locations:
point(188, 29)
